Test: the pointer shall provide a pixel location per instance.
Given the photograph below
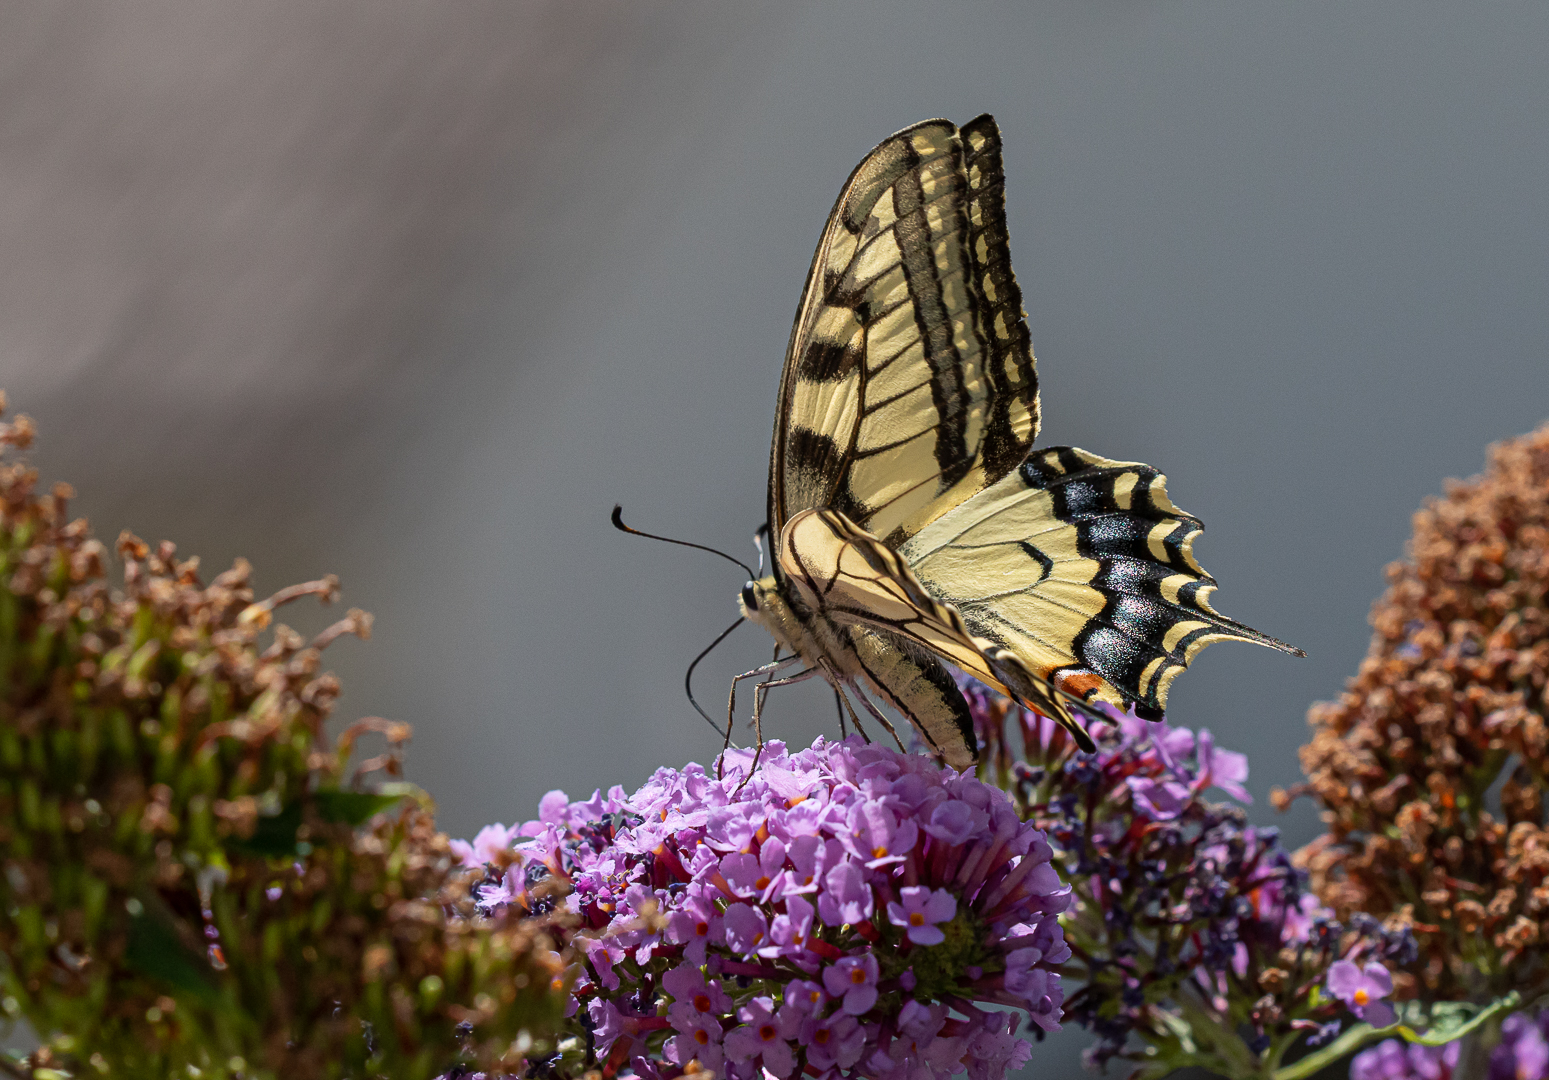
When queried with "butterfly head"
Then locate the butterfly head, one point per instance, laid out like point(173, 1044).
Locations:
point(763, 602)
point(759, 598)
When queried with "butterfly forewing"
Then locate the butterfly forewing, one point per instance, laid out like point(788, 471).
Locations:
point(909, 382)
point(846, 575)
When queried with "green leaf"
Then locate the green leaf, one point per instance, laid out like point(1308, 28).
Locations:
point(159, 952)
point(1453, 1020)
point(353, 807)
point(274, 836)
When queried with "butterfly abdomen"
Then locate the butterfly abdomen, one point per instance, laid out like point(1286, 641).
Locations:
point(921, 688)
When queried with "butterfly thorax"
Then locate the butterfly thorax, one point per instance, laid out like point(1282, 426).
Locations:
point(862, 658)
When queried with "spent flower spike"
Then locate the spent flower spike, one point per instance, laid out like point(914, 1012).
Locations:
point(846, 909)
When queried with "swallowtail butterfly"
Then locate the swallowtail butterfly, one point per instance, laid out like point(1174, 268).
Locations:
point(912, 524)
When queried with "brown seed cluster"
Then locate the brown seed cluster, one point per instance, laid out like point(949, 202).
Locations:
point(191, 881)
point(1431, 767)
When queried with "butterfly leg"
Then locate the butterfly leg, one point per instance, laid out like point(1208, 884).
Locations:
point(881, 718)
point(731, 700)
point(758, 709)
point(838, 683)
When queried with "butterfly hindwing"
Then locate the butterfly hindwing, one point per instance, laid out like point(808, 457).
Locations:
point(909, 382)
point(1084, 568)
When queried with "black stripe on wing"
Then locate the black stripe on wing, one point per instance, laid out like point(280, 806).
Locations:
point(1147, 573)
point(912, 233)
point(998, 300)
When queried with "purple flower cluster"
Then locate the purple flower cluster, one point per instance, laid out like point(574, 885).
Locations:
point(1394, 1059)
point(844, 911)
point(1179, 903)
point(1523, 1052)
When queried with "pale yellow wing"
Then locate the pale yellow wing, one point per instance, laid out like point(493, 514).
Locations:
point(1083, 569)
point(909, 381)
point(849, 576)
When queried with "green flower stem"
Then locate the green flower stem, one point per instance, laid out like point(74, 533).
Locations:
point(1362, 1034)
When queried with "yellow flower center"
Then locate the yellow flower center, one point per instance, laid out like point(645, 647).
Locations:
point(857, 976)
point(1362, 997)
point(916, 919)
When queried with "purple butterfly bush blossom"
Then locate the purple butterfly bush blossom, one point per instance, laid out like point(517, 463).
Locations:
point(1523, 1052)
point(1362, 989)
point(847, 910)
point(1393, 1059)
point(1181, 908)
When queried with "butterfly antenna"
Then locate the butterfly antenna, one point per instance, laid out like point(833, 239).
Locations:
point(618, 523)
point(688, 676)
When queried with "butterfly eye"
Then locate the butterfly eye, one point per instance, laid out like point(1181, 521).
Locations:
point(749, 597)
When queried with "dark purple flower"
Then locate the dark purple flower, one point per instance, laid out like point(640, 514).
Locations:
point(1362, 990)
point(1225, 769)
point(1160, 800)
point(1393, 1059)
point(1523, 1052)
point(1185, 908)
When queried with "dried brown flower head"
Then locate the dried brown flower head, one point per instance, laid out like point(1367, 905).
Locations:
point(189, 882)
point(1448, 710)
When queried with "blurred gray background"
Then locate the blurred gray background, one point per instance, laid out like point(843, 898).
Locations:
point(414, 293)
